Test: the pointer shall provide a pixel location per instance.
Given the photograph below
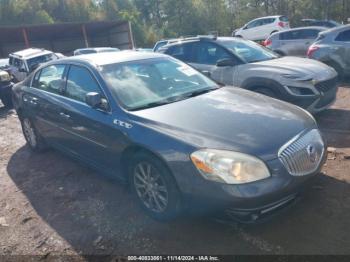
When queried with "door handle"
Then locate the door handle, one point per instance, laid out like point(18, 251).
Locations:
point(33, 101)
point(64, 115)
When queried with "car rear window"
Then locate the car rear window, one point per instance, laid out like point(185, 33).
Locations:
point(284, 19)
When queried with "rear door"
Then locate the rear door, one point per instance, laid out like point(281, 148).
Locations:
point(43, 100)
point(292, 42)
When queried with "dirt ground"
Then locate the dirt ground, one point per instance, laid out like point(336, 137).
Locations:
point(51, 205)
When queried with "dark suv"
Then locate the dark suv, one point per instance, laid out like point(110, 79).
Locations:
point(243, 63)
point(174, 134)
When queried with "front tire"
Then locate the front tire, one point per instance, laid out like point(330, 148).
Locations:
point(33, 138)
point(154, 187)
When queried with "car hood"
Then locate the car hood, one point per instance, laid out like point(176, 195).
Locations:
point(303, 67)
point(231, 119)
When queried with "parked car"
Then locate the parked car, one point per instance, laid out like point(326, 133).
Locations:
point(322, 23)
point(92, 50)
point(332, 47)
point(4, 63)
point(293, 42)
point(242, 63)
point(164, 42)
point(174, 134)
point(261, 28)
point(5, 88)
point(23, 62)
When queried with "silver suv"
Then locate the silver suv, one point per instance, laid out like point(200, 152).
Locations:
point(294, 42)
point(23, 62)
point(332, 47)
point(242, 63)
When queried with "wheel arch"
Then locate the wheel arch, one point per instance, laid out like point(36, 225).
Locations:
point(130, 151)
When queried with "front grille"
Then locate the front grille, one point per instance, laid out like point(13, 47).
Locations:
point(326, 85)
point(303, 154)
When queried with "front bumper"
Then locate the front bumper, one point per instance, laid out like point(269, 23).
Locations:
point(250, 202)
point(325, 97)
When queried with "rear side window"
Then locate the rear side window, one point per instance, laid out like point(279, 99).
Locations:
point(79, 83)
point(50, 79)
point(310, 34)
point(291, 35)
point(343, 36)
point(182, 52)
point(268, 21)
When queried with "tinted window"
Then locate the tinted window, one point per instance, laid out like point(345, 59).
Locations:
point(209, 53)
point(79, 83)
point(40, 60)
point(268, 21)
point(182, 52)
point(291, 35)
point(343, 36)
point(50, 79)
point(159, 45)
point(310, 34)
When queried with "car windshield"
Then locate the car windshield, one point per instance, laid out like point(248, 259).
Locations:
point(40, 59)
point(154, 82)
point(249, 51)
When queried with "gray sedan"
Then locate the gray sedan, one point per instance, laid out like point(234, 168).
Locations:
point(294, 42)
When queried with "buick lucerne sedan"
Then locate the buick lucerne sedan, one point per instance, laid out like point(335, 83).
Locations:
point(174, 135)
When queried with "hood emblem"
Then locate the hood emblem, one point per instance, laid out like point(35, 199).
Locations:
point(312, 153)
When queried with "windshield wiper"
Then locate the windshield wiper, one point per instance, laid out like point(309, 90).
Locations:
point(152, 104)
point(175, 98)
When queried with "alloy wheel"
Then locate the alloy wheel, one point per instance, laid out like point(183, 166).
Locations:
point(150, 187)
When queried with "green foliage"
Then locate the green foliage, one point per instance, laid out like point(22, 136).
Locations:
point(155, 19)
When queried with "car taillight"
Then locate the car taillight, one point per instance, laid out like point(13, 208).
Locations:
point(281, 24)
point(312, 50)
point(267, 42)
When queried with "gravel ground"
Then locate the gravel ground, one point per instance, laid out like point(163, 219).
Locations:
point(51, 205)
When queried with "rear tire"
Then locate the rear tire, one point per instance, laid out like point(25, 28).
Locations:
point(154, 187)
point(34, 139)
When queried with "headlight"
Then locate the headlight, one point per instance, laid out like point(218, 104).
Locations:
point(4, 76)
point(229, 167)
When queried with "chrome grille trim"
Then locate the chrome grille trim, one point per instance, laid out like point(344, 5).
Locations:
point(303, 154)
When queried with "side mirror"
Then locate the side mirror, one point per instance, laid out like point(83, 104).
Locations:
point(95, 100)
point(225, 62)
point(206, 73)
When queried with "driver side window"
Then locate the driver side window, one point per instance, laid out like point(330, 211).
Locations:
point(209, 53)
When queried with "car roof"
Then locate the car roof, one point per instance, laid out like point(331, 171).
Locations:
point(337, 29)
point(96, 48)
point(266, 17)
point(321, 28)
point(30, 52)
point(100, 59)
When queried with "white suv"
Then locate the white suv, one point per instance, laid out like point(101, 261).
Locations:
point(23, 62)
point(261, 28)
